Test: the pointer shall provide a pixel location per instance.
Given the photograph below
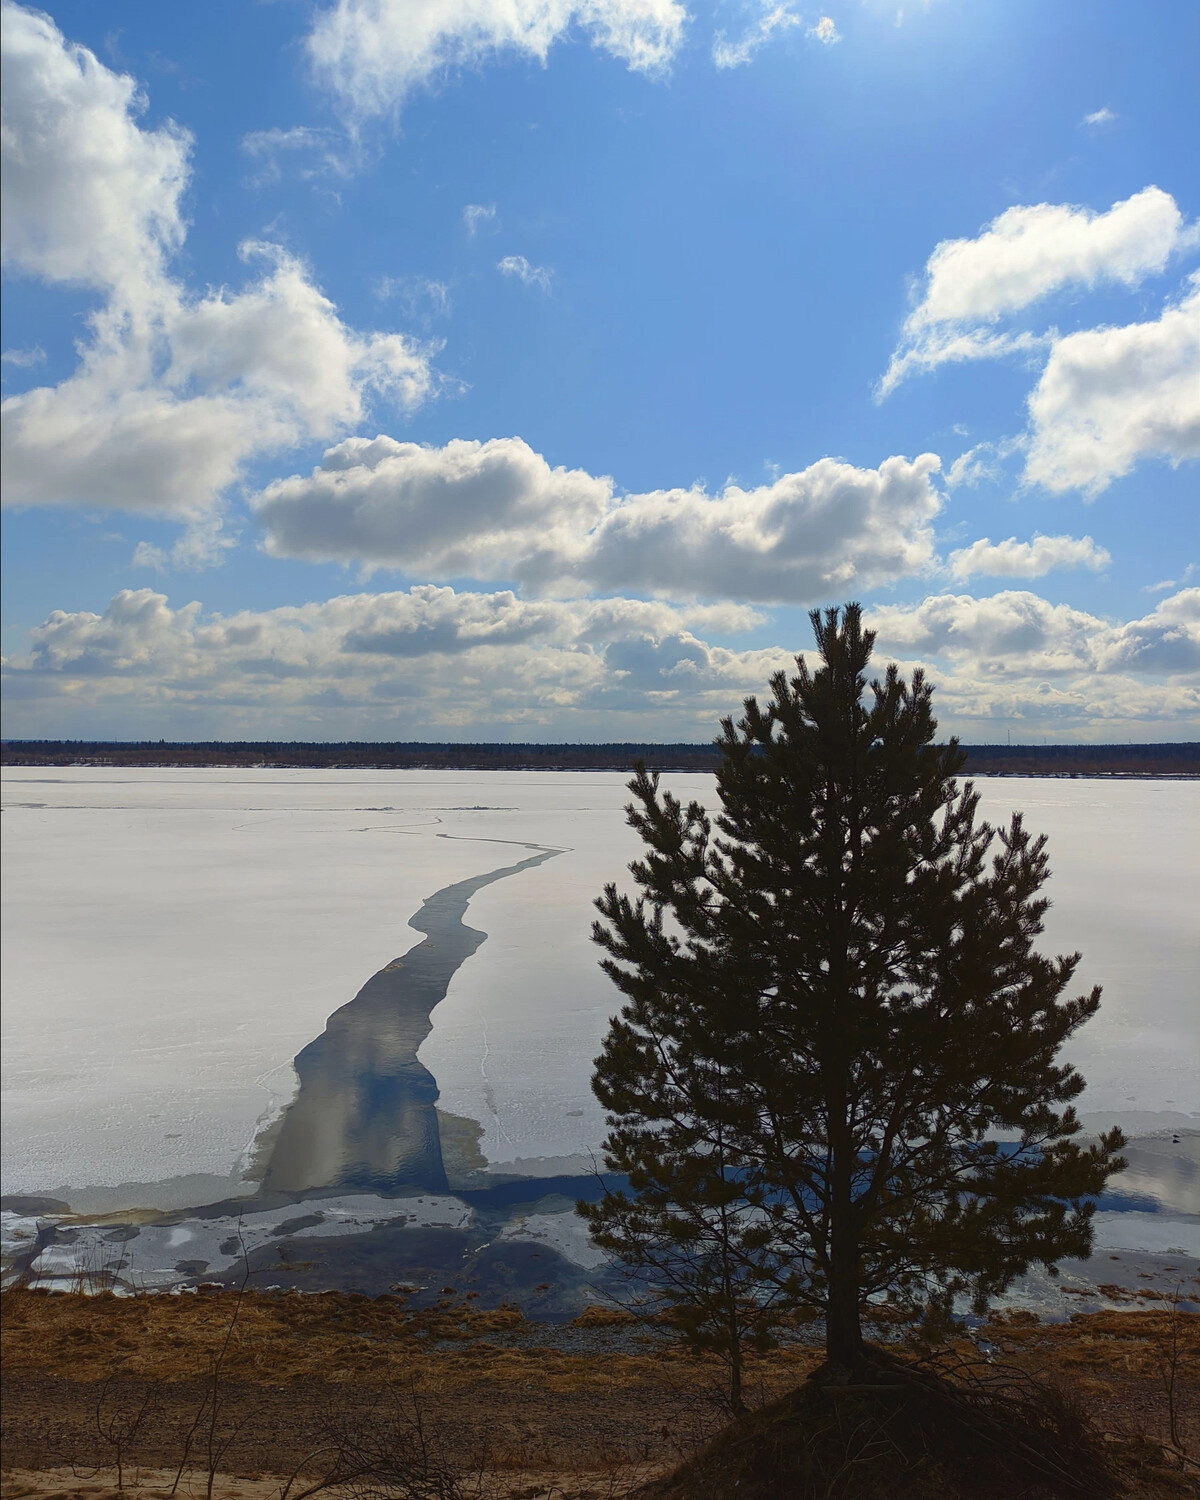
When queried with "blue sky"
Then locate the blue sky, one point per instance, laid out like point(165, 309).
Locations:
point(526, 369)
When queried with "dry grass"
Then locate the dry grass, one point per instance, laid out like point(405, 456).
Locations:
point(288, 1338)
point(592, 1419)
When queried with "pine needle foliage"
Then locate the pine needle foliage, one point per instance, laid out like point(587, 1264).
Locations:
point(835, 1078)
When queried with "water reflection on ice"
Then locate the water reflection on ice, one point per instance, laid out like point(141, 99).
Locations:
point(158, 1257)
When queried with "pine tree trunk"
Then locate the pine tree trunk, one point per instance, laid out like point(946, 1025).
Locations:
point(843, 1331)
point(737, 1404)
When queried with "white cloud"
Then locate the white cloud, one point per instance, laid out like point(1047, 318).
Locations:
point(24, 359)
point(173, 392)
point(1166, 584)
point(1015, 658)
point(1033, 559)
point(166, 407)
point(475, 215)
point(269, 147)
point(825, 31)
point(727, 54)
point(981, 462)
point(1022, 633)
point(373, 53)
point(1022, 256)
point(1102, 116)
point(468, 509)
point(203, 545)
point(530, 275)
point(433, 663)
point(436, 659)
point(420, 296)
point(1110, 396)
point(88, 196)
point(497, 510)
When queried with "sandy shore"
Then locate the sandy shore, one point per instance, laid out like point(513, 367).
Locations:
point(160, 1484)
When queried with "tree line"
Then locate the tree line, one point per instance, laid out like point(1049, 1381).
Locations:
point(1176, 759)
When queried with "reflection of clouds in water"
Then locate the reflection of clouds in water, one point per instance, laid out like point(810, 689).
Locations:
point(364, 1115)
point(1150, 1233)
point(1165, 1169)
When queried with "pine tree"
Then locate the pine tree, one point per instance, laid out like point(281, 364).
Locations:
point(835, 1076)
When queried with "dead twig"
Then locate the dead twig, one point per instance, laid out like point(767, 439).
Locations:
point(119, 1427)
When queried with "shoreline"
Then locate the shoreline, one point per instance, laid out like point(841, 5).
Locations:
point(1171, 761)
point(514, 1239)
point(666, 768)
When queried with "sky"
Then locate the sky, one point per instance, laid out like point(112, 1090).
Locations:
point(528, 369)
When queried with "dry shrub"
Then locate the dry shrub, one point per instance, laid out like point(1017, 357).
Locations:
point(603, 1317)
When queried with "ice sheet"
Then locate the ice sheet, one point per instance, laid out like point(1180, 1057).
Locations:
point(158, 1257)
point(173, 938)
point(514, 1040)
point(1125, 892)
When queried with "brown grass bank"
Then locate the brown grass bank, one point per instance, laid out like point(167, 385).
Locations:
point(594, 1409)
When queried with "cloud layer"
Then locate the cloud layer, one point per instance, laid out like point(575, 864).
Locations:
point(371, 54)
point(174, 392)
point(1016, 657)
point(1020, 631)
point(441, 660)
point(433, 662)
point(497, 510)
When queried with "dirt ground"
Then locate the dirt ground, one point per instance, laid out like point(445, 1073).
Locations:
point(589, 1409)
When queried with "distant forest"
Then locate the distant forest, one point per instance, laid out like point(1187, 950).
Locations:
point(982, 760)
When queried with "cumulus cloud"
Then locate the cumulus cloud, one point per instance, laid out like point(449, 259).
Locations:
point(1033, 559)
point(441, 663)
point(497, 510)
point(1110, 396)
point(174, 392)
point(1022, 256)
point(1021, 632)
point(734, 54)
point(166, 406)
point(529, 275)
point(432, 655)
point(825, 31)
point(88, 195)
point(1101, 116)
point(1015, 657)
point(372, 54)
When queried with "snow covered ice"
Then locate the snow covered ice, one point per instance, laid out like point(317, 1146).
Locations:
point(172, 938)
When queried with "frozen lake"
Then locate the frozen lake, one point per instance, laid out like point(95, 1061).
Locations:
point(172, 939)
